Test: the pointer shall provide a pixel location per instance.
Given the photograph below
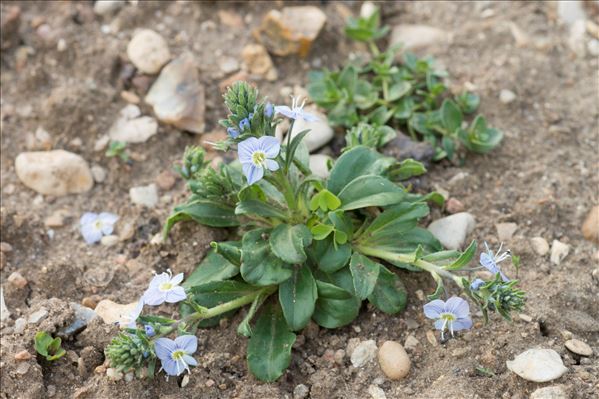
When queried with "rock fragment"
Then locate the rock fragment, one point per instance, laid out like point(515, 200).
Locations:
point(538, 365)
point(132, 127)
point(453, 230)
point(148, 51)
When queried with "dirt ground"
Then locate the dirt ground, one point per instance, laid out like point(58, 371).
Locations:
point(543, 177)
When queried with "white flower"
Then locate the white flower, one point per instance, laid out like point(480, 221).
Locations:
point(94, 226)
point(164, 288)
point(296, 111)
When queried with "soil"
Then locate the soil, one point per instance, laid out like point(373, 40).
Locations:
point(543, 177)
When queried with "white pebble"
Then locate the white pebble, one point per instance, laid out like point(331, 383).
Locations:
point(507, 96)
point(364, 353)
point(559, 251)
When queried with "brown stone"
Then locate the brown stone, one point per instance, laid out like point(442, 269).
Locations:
point(230, 19)
point(590, 227)
point(23, 355)
point(213, 137)
point(258, 62)
point(165, 180)
point(17, 280)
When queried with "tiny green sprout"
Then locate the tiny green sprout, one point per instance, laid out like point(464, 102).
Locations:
point(485, 371)
point(47, 346)
point(516, 263)
point(118, 149)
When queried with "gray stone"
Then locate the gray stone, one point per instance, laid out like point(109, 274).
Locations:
point(300, 391)
point(144, 195)
point(363, 353)
point(403, 147)
point(38, 316)
point(539, 245)
point(320, 131)
point(552, 392)
point(83, 315)
point(453, 230)
point(131, 127)
point(507, 96)
point(110, 240)
point(579, 347)
point(559, 251)
point(107, 7)
point(376, 392)
point(570, 11)
point(148, 51)
point(538, 365)
point(20, 325)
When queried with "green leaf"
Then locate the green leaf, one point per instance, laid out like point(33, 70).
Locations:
point(288, 242)
point(364, 273)
point(380, 115)
point(389, 294)
point(206, 212)
point(480, 138)
point(263, 209)
point(404, 108)
point(335, 307)
point(47, 346)
point(451, 116)
point(356, 162)
point(328, 256)
point(325, 200)
point(244, 327)
point(468, 102)
point(295, 142)
point(231, 251)
point(464, 258)
point(321, 231)
point(214, 267)
point(387, 228)
point(448, 146)
point(252, 192)
point(398, 90)
point(406, 169)
point(297, 297)
point(259, 266)
point(370, 190)
point(269, 348)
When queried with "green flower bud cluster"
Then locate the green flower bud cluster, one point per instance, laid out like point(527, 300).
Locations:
point(128, 351)
point(497, 296)
point(193, 162)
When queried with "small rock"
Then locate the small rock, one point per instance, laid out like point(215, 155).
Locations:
point(552, 392)
point(229, 64)
point(257, 62)
point(148, 51)
point(569, 12)
point(4, 312)
point(20, 325)
point(110, 240)
point(230, 19)
point(83, 315)
point(89, 302)
point(319, 165)
point(506, 96)
point(99, 173)
point(107, 7)
point(320, 131)
point(291, 30)
point(454, 206)
point(131, 127)
point(17, 280)
point(505, 231)
point(144, 195)
point(368, 9)
point(130, 97)
point(178, 97)
point(539, 245)
point(413, 37)
point(559, 251)
point(403, 147)
point(453, 230)
point(101, 143)
point(593, 47)
point(431, 338)
point(112, 312)
point(394, 360)
point(577, 38)
point(376, 392)
point(579, 347)
point(23, 368)
point(411, 343)
point(57, 219)
point(590, 227)
point(339, 356)
point(113, 374)
point(525, 317)
point(300, 391)
point(55, 172)
point(5, 247)
point(38, 316)
point(538, 365)
point(165, 180)
point(364, 353)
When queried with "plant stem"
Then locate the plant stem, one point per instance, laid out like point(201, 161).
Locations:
point(374, 48)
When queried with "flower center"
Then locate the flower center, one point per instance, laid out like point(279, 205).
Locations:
point(165, 286)
point(258, 158)
point(448, 317)
point(98, 224)
point(178, 354)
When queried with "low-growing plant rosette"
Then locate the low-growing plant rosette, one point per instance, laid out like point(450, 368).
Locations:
point(301, 247)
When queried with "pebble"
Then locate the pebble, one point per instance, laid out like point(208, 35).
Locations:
point(112, 312)
point(101, 143)
point(38, 316)
point(505, 231)
point(394, 360)
point(258, 63)
point(55, 172)
point(319, 165)
point(320, 131)
point(525, 317)
point(507, 96)
point(300, 391)
point(559, 251)
point(368, 9)
point(184, 381)
point(107, 7)
point(20, 325)
point(228, 64)
point(131, 127)
point(413, 37)
point(551, 392)
point(538, 365)
point(579, 347)
point(454, 206)
point(114, 374)
point(23, 355)
point(17, 280)
point(363, 353)
point(5, 247)
point(403, 147)
point(130, 376)
point(453, 230)
point(23, 368)
point(411, 343)
point(177, 96)
point(148, 51)
point(89, 302)
point(4, 312)
point(590, 227)
point(130, 97)
point(57, 219)
point(539, 245)
point(376, 392)
point(98, 173)
point(593, 47)
point(165, 180)
point(291, 30)
point(431, 338)
point(144, 195)
point(110, 240)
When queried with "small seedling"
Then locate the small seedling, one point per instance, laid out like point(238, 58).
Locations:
point(118, 149)
point(48, 347)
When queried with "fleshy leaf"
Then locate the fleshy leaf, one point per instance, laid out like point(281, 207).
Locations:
point(365, 273)
point(297, 297)
point(288, 242)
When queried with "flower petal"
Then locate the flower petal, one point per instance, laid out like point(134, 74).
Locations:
point(176, 294)
point(439, 324)
point(189, 343)
point(458, 306)
point(159, 279)
point(177, 279)
point(170, 366)
point(252, 172)
point(308, 117)
point(108, 218)
point(461, 324)
point(246, 148)
point(91, 234)
point(285, 110)
point(190, 360)
point(154, 297)
point(164, 347)
point(272, 165)
point(433, 309)
point(88, 217)
point(270, 145)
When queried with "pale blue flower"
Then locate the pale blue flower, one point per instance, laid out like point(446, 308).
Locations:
point(244, 124)
point(93, 226)
point(453, 315)
point(175, 356)
point(490, 261)
point(476, 284)
point(296, 111)
point(164, 288)
point(150, 332)
point(256, 155)
point(233, 132)
point(268, 110)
